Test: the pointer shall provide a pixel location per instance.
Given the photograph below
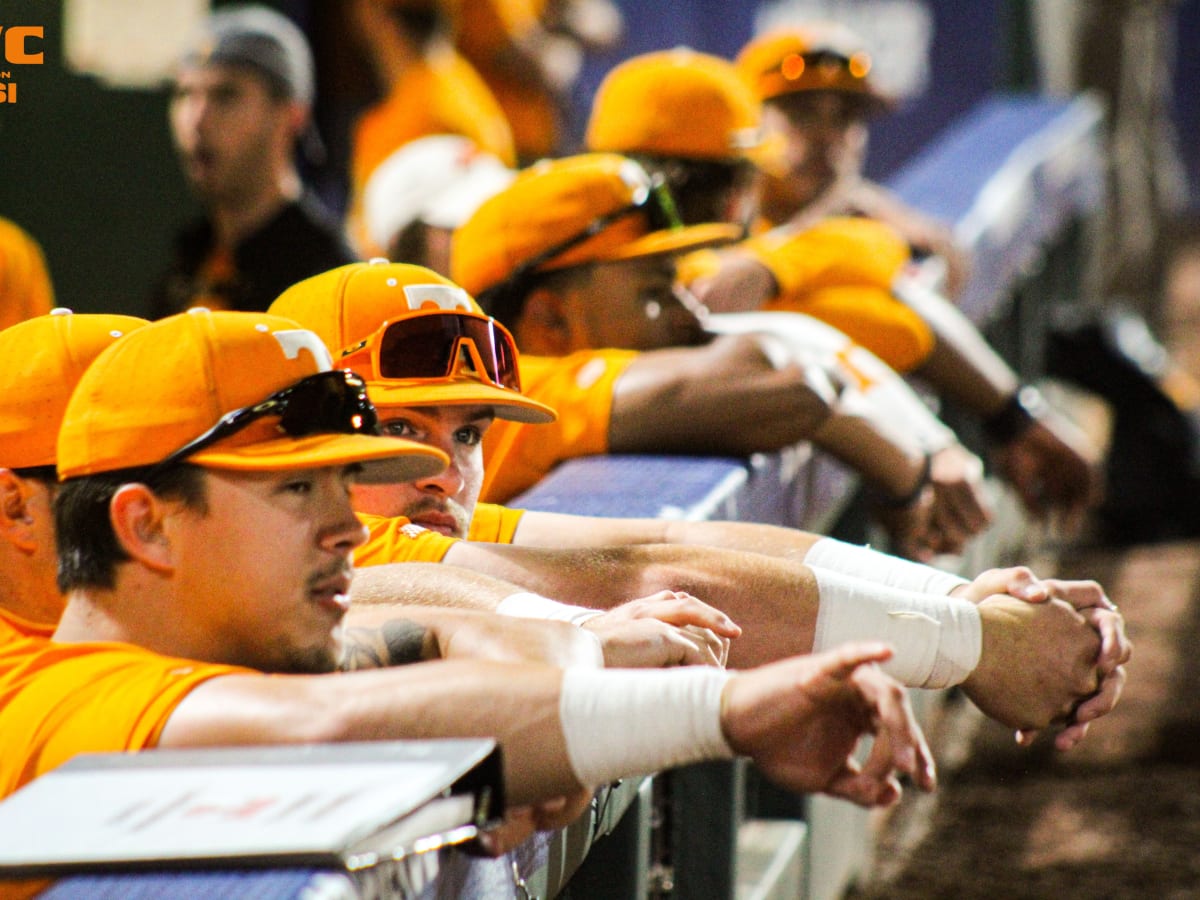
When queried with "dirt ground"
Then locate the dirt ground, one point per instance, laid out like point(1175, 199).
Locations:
point(1118, 817)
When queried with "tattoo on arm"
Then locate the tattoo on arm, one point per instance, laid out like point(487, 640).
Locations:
point(394, 643)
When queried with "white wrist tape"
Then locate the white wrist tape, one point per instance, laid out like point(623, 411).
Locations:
point(937, 640)
point(535, 606)
point(871, 565)
point(622, 722)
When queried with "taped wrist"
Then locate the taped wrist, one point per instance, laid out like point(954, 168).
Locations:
point(622, 722)
point(534, 606)
point(881, 568)
point(937, 640)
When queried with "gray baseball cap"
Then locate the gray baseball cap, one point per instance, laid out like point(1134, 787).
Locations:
point(261, 39)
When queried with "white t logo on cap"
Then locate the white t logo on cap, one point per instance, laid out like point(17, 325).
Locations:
point(296, 339)
point(443, 296)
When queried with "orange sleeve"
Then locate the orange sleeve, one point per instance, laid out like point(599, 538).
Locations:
point(840, 271)
point(835, 251)
point(393, 539)
point(872, 318)
point(492, 524)
point(580, 387)
point(60, 700)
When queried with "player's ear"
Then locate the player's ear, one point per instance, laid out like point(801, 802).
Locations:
point(543, 328)
point(16, 514)
point(298, 116)
point(138, 518)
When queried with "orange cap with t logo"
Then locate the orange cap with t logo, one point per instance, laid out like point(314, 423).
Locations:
point(595, 207)
point(417, 313)
point(228, 390)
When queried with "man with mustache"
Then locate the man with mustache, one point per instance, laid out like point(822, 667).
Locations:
point(240, 110)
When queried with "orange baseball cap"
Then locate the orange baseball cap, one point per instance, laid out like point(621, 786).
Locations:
point(817, 56)
point(41, 361)
point(679, 103)
point(149, 396)
point(348, 305)
point(565, 212)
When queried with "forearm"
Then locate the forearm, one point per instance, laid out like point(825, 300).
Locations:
point(963, 367)
point(385, 637)
point(891, 461)
point(596, 577)
point(380, 635)
point(774, 600)
point(733, 396)
point(755, 537)
point(867, 384)
point(748, 537)
point(559, 530)
point(558, 733)
point(516, 704)
point(428, 584)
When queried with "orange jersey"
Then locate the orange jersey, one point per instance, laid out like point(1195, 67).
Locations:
point(13, 626)
point(396, 539)
point(494, 524)
point(392, 539)
point(839, 271)
point(580, 387)
point(59, 700)
point(25, 288)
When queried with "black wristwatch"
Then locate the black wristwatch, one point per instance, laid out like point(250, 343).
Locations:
point(882, 501)
point(1016, 415)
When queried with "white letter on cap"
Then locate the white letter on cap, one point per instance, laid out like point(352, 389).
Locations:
point(442, 296)
point(296, 339)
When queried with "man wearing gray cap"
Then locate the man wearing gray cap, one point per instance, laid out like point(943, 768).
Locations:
point(241, 104)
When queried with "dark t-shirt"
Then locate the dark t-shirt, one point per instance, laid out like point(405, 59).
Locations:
point(302, 240)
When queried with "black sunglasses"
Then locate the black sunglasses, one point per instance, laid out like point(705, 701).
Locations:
point(503, 300)
point(332, 402)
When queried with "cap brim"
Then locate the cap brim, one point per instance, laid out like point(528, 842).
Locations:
point(462, 392)
point(677, 240)
point(384, 459)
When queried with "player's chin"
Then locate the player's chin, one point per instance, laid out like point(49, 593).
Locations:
point(317, 654)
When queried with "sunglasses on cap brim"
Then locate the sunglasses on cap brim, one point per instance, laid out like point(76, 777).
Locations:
point(797, 66)
point(332, 402)
point(653, 200)
point(429, 344)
